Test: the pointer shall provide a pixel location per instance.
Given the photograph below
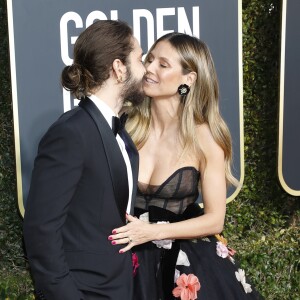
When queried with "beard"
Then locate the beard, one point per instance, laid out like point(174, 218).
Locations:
point(132, 92)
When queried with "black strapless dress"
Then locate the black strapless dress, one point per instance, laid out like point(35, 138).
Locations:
point(209, 259)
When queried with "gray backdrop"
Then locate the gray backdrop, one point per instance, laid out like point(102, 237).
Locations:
point(44, 33)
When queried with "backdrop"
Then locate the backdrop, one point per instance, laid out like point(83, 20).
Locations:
point(289, 121)
point(42, 35)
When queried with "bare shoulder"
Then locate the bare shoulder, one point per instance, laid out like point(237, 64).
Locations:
point(207, 142)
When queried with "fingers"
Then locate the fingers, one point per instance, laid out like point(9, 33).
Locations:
point(125, 240)
point(126, 234)
point(125, 249)
point(119, 230)
point(124, 228)
point(131, 218)
point(118, 236)
point(119, 239)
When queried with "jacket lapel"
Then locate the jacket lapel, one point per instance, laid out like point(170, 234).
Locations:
point(114, 156)
point(134, 160)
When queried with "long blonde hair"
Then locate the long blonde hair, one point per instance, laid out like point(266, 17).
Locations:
point(200, 106)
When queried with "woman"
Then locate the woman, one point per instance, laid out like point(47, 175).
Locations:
point(184, 146)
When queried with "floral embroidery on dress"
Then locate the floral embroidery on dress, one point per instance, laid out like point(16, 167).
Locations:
point(205, 239)
point(166, 244)
point(240, 276)
point(176, 275)
point(182, 259)
point(187, 287)
point(135, 263)
point(144, 217)
point(223, 250)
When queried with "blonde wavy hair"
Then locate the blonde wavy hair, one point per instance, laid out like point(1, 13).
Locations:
point(200, 106)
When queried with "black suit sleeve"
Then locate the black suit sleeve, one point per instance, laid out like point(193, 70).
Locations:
point(57, 170)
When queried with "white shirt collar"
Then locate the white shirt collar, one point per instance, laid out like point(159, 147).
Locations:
point(106, 111)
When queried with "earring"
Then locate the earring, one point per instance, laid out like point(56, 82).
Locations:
point(183, 89)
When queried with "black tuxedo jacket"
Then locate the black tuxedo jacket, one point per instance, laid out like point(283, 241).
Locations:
point(78, 195)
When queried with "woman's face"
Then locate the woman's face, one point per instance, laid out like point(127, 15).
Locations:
point(164, 72)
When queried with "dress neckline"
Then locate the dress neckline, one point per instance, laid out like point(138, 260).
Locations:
point(170, 177)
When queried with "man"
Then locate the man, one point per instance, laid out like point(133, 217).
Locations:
point(85, 174)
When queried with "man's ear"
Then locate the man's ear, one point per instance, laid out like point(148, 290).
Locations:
point(119, 69)
point(191, 77)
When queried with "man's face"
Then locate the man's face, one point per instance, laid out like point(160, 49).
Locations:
point(133, 88)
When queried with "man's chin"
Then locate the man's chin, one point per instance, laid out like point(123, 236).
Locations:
point(134, 94)
point(137, 99)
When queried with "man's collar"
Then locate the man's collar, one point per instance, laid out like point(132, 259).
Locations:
point(106, 111)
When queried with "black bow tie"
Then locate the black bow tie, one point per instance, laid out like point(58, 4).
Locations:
point(118, 123)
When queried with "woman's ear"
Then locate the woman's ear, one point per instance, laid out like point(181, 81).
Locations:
point(119, 69)
point(191, 78)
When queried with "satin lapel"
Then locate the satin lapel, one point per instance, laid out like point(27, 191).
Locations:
point(134, 159)
point(114, 156)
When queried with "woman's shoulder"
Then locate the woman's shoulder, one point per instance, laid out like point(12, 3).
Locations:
point(207, 141)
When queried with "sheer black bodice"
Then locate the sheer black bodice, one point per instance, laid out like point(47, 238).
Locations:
point(174, 194)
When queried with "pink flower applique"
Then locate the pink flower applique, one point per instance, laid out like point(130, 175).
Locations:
point(135, 263)
point(223, 250)
point(187, 287)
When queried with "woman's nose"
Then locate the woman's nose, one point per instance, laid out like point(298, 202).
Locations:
point(145, 70)
point(149, 66)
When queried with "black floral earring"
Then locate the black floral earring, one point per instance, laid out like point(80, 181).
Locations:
point(183, 89)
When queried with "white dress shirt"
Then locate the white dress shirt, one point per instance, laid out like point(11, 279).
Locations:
point(108, 113)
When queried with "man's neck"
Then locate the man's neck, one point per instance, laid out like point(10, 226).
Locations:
point(110, 94)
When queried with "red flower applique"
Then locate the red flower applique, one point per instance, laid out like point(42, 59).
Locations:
point(135, 263)
point(187, 287)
